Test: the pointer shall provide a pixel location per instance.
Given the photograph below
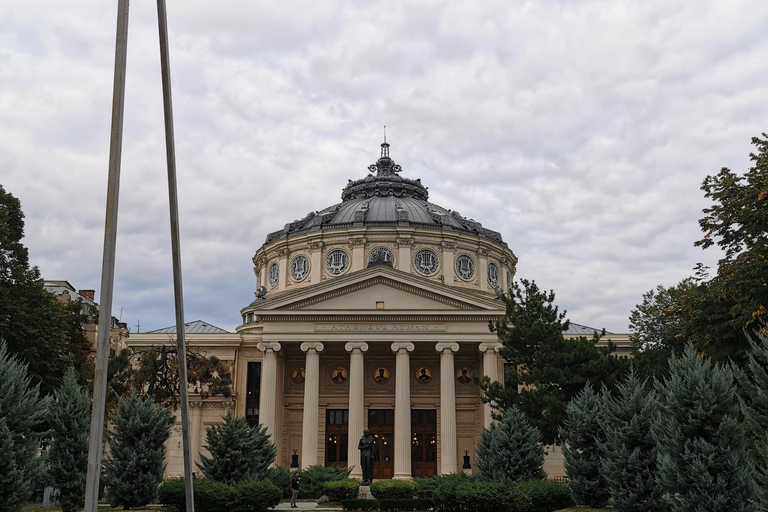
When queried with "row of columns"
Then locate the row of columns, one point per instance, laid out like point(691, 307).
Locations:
point(402, 434)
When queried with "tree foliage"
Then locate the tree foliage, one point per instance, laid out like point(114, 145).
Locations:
point(702, 458)
point(21, 415)
point(629, 451)
point(238, 451)
point(583, 437)
point(511, 451)
point(67, 456)
point(550, 368)
point(136, 451)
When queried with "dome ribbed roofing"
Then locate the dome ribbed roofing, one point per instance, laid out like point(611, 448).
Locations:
point(384, 198)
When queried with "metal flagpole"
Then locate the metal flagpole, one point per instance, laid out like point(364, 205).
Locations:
point(95, 446)
point(181, 348)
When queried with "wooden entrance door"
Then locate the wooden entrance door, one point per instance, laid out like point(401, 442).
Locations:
point(336, 438)
point(381, 423)
point(424, 443)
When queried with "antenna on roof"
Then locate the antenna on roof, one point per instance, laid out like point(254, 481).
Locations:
point(385, 133)
point(385, 146)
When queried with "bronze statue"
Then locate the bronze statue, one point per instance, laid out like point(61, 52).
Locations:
point(366, 456)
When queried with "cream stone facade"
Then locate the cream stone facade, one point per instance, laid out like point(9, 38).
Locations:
point(372, 313)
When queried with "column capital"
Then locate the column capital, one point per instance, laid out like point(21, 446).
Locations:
point(396, 346)
point(494, 346)
point(352, 345)
point(274, 346)
point(440, 347)
point(308, 345)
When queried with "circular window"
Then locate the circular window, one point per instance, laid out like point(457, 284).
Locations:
point(336, 262)
point(426, 261)
point(274, 273)
point(465, 266)
point(299, 268)
point(493, 275)
point(381, 256)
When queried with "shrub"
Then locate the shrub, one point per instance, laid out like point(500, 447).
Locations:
point(511, 450)
point(314, 478)
point(210, 496)
point(393, 489)
point(545, 496)
point(281, 477)
point(358, 505)
point(404, 505)
point(461, 493)
point(238, 451)
point(338, 490)
point(255, 496)
point(137, 452)
point(171, 494)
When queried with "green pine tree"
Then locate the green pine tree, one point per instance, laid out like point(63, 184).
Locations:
point(511, 450)
point(629, 455)
point(582, 440)
point(69, 417)
point(137, 451)
point(238, 451)
point(702, 458)
point(21, 415)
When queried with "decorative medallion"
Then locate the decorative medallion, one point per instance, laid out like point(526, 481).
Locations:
point(493, 275)
point(424, 375)
point(336, 262)
point(464, 375)
point(381, 256)
point(339, 375)
point(274, 273)
point(299, 268)
point(381, 375)
point(297, 375)
point(426, 262)
point(465, 266)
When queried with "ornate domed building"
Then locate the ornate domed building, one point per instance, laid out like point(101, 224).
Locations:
point(371, 313)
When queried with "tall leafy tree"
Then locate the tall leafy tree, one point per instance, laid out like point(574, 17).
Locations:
point(67, 456)
point(22, 413)
point(511, 450)
point(629, 451)
point(583, 437)
point(550, 368)
point(238, 451)
point(136, 464)
point(702, 458)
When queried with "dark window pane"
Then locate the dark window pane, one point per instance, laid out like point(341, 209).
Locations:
point(344, 447)
point(252, 393)
point(417, 448)
point(430, 448)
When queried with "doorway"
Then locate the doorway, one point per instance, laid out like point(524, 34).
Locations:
point(336, 437)
point(424, 443)
point(381, 423)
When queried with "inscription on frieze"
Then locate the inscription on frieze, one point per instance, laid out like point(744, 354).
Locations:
point(377, 327)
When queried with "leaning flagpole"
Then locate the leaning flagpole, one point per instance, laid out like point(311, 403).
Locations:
point(95, 442)
point(181, 348)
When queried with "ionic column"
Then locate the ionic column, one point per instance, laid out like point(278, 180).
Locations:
point(402, 410)
point(448, 453)
point(311, 402)
point(491, 370)
point(268, 399)
point(356, 403)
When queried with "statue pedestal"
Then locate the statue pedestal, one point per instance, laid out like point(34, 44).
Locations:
point(364, 493)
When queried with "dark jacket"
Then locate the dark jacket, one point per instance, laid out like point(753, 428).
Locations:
point(294, 483)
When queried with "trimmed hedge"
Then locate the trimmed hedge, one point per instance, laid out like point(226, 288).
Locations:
point(314, 478)
point(211, 496)
point(358, 505)
point(461, 493)
point(406, 505)
point(393, 489)
point(545, 496)
point(341, 489)
point(254, 496)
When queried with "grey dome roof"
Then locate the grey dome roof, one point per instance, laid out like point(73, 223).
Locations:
point(384, 198)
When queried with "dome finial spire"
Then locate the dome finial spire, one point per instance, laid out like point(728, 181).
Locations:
point(385, 146)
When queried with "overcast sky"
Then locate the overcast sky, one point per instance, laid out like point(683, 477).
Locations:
point(581, 130)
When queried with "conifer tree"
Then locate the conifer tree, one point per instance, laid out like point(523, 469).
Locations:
point(21, 415)
point(238, 451)
point(137, 451)
point(702, 458)
point(582, 438)
point(511, 450)
point(629, 455)
point(69, 417)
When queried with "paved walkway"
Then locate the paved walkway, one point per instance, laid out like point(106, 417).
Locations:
point(304, 505)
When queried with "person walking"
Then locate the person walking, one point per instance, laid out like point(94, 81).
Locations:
point(294, 487)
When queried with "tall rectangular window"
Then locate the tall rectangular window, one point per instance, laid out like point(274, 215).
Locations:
point(252, 393)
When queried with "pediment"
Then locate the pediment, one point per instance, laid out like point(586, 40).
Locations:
point(362, 290)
